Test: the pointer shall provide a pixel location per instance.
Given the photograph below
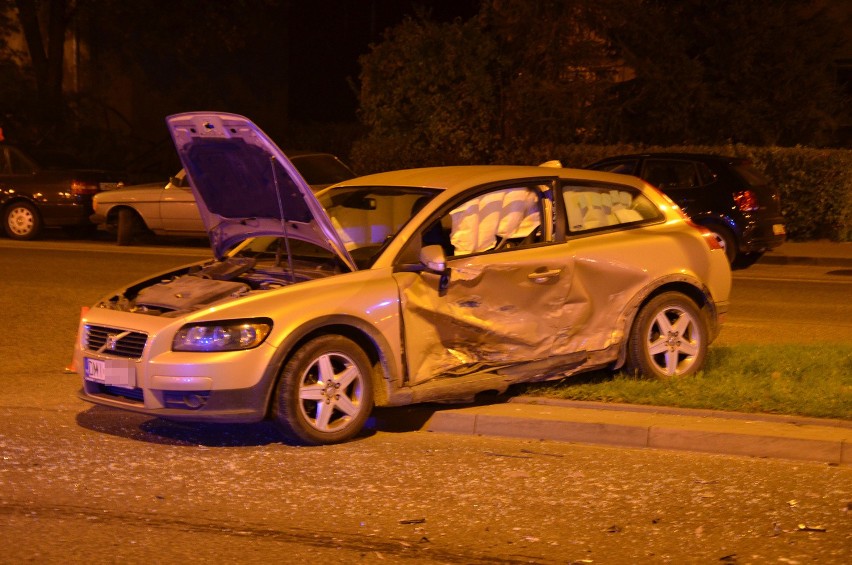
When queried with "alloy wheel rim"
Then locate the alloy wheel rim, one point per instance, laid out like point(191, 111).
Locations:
point(673, 341)
point(331, 392)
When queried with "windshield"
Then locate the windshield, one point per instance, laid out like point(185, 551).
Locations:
point(366, 218)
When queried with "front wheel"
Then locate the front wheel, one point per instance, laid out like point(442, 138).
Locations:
point(325, 392)
point(668, 338)
point(129, 226)
point(21, 221)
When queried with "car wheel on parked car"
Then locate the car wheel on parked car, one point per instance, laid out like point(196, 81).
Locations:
point(129, 226)
point(21, 221)
point(325, 392)
point(725, 239)
point(668, 339)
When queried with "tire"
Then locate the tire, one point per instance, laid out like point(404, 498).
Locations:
point(21, 221)
point(726, 241)
point(746, 260)
point(129, 226)
point(669, 338)
point(325, 392)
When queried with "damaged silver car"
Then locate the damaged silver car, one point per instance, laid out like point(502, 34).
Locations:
point(409, 286)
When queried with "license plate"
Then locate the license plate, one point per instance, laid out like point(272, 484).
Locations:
point(113, 372)
point(778, 229)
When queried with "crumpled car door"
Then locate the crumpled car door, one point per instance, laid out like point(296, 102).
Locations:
point(493, 310)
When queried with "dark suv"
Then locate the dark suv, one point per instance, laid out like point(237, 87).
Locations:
point(727, 195)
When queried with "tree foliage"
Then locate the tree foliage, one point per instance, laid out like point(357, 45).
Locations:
point(428, 94)
point(606, 71)
point(554, 70)
point(162, 55)
point(758, 72)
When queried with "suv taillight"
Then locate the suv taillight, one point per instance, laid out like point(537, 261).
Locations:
point(746, 201)
point(80, 188)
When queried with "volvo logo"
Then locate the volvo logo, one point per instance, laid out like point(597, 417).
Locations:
point(111, 342)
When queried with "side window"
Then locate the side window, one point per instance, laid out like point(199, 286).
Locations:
point(666, 174)
point(595, 207)
point(18, 164)
point(707, 175)
point(501, 219)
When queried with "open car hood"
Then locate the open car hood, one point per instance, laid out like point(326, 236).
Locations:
point(245, 186)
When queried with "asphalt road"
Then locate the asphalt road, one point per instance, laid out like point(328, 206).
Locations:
point(80, 483)
point(790, 304)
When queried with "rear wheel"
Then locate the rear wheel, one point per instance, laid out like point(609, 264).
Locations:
point(130, 225)
point(325, 392)
point(21, 221)
point(668, 338)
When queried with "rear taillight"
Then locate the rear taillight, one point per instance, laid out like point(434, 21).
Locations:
point(746, 201)
point(712, 240)
point(80, 188)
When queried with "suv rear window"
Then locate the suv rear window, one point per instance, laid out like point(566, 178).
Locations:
point(751, 175)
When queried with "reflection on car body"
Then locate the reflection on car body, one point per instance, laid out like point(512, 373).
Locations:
point(409, 286)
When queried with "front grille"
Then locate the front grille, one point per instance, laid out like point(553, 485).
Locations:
point(114, 341)
point(134, 394)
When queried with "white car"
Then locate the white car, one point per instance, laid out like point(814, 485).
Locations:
point(170, 209)
point(408, 286)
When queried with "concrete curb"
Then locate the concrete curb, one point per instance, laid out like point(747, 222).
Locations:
point(813, 440)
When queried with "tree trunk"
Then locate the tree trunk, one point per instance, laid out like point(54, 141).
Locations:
point(46, 55)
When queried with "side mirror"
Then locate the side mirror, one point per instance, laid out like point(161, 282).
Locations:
point(433, 258)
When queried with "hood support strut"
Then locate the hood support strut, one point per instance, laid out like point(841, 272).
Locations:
point(283, 223)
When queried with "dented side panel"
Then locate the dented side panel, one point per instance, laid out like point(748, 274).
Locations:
point(497, 309)
point(500, 309)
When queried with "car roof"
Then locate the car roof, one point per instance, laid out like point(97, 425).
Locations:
point(458, 178)
point(673, 155)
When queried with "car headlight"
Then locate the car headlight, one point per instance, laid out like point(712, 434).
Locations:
point(228, 335)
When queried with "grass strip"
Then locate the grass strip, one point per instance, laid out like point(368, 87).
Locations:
point(803, 380)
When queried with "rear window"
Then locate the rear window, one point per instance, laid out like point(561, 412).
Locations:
point(751, 175)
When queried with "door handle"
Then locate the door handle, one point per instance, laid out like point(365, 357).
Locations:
point(544, 276)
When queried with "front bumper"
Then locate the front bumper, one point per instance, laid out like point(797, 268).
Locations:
point(225, 406)
point(216, 387)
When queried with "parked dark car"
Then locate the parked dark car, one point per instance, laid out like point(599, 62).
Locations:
point(33, 198)
point(727, 195)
